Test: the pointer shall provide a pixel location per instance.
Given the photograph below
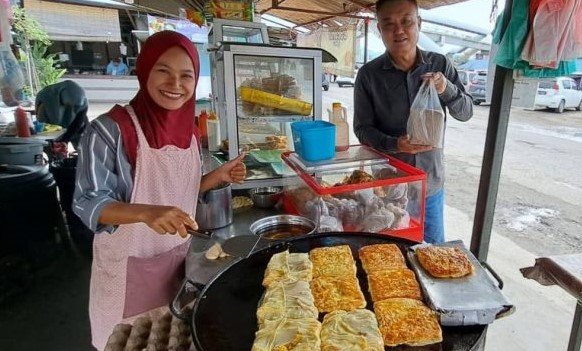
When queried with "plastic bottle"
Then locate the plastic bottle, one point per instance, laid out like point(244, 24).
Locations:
point(338, 116)
point(213, 131)
point(203, 125)
point(21, 120)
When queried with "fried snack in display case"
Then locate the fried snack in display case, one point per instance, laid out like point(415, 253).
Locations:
point(262, 90)
point(359, 189)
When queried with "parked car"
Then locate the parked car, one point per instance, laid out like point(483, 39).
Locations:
point(342, 81)
point(558, 93)
point(324, 82)
point(475, 83)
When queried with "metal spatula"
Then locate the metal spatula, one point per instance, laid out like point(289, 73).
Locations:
point(241, 245)
point(201, 240)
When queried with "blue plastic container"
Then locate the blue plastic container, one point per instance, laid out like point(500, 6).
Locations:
point(314, 140)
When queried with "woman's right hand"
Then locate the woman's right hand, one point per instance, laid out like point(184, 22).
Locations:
point(404, 145)
point(168, 220)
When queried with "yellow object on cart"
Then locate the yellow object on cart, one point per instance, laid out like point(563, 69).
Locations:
point(273, 100)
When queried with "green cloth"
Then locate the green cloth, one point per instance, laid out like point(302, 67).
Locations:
point(511, 44)
point(511, 41)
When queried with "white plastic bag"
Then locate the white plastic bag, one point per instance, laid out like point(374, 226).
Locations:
point(426, 122)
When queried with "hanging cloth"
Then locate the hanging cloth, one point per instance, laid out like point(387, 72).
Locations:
point(555, 34)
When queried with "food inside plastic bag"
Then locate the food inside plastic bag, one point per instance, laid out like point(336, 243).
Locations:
point(378, 220)
point(426, 122)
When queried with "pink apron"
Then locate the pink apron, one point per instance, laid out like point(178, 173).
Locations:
point(136, 269)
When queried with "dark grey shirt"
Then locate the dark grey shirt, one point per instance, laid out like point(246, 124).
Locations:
point(382, 98)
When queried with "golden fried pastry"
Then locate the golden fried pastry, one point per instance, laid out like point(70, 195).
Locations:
point(287, 267)
point(288, 334)
point(393, 283)
point(332, 261)
point(407, 321)
point(351, 331)
point(291, 300)
point(444, 262)
point(337, 293)
point(241, 201)
point(380, 257)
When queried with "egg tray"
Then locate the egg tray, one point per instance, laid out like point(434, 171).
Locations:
point(166, 333)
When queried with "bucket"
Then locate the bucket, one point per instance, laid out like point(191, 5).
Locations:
point(314, 140)
point(20, 151)
point(214, 208)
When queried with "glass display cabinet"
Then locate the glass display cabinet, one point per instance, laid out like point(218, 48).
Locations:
point(260, 91)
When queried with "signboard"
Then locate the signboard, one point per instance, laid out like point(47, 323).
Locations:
point(194, 32)
point(340, 42)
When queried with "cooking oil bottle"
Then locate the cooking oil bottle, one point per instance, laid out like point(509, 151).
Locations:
point(338, 115)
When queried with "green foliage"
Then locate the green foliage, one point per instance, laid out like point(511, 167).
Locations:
point(28, 29)
point(35, 42)
point(46, 65)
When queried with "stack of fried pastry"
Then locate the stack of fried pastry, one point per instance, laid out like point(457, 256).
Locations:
point(402, 316)
point(335, 285)
point(286, 316)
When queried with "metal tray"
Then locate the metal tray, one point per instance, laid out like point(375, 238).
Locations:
point(472, 300)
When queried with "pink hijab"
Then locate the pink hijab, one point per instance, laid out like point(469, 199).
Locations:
point(161, 127)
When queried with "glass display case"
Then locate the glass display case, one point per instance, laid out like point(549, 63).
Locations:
point(360, 189)
point(261, 91)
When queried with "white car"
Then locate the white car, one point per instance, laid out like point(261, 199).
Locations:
point(558, 93)
point(341, 81)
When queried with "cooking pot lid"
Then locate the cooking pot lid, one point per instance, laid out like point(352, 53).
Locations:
point(15, 140)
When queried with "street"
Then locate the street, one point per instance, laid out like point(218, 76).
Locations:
point(540, 191)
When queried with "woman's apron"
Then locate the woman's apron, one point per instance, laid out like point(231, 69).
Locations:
point(135, 269)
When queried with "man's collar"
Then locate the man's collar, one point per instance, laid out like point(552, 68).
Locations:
point(422, 58)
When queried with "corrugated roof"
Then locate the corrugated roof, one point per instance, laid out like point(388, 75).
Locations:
point(309, 12)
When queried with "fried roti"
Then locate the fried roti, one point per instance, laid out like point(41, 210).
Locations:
point(332, 261)
point(288, 267)
point(351, 331)
point(380, 257)
point(288, 334)
point(444, 262)
point(393, 283)
point(291, 300)
point(407, 321)
point(337, 293)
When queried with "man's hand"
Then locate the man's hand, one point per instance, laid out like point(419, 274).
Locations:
point(403, 145)
point(439, 80)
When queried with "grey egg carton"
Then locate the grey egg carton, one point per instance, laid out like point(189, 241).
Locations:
point(160, 334)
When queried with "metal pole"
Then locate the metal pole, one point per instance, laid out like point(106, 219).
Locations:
point(366, 23)
point(576, 333)
point(493, 154)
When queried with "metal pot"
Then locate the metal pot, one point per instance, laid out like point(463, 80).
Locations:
point(214, 208)
point(224, 314)
point(283, 227)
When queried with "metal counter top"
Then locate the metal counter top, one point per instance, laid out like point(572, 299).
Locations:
point(201, 270)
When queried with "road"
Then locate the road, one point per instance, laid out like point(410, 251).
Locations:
point(540, 190)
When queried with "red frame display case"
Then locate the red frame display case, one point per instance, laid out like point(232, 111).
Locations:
point(312, 179)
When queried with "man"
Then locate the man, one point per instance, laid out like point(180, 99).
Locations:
point(117, 68)
point(384, 90)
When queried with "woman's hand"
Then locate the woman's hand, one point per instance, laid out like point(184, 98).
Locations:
point(404, 145)
point(234, 171)
point(168, 220)
point(439, 80)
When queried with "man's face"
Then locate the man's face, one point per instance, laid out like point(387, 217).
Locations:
point(399, 25)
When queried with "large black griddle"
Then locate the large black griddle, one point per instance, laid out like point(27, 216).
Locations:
point(224, 314)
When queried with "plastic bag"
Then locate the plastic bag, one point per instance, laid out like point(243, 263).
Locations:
point(426, 122)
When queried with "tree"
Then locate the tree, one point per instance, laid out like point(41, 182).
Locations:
point(42, 67)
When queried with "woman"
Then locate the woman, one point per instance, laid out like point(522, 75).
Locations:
point(138, 178)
